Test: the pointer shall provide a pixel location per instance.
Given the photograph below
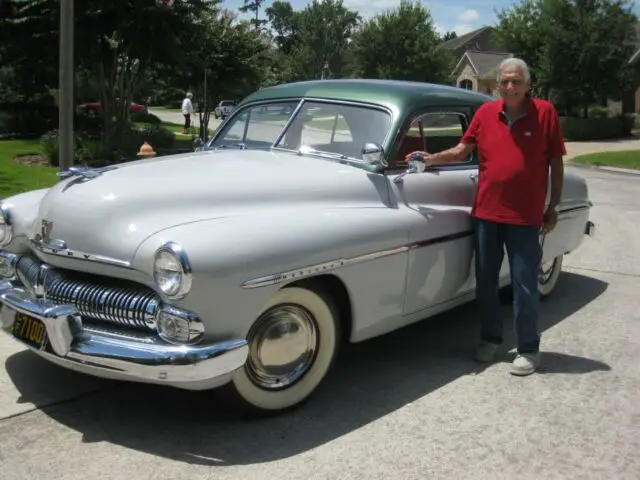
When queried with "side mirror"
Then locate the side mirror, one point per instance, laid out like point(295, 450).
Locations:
point(416, 165)
point(373, 154)
point(198, 144)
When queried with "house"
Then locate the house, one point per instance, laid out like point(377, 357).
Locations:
point(479, 55)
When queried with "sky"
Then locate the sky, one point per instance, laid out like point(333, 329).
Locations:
point(461, 16)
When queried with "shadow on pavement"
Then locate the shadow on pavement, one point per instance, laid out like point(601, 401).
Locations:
point(370, 380)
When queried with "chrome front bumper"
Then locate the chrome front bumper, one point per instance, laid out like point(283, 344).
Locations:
point(119, 358)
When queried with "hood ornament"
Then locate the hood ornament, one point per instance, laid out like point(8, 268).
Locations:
point(85, 172)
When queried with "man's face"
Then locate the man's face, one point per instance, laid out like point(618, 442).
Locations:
point(512, 86)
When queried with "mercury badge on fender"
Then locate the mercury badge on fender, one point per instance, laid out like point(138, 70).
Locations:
point(246, 264)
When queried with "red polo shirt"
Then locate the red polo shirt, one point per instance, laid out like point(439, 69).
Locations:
point(514, 161)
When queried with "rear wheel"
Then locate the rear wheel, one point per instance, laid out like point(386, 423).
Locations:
point(292, 346)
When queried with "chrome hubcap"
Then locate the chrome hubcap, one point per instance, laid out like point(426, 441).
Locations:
point(546, 270)
point(282, 347)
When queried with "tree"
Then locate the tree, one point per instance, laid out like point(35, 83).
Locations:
point(253, 6)
point(577, 50)
point(125, 40)
point(449, 36)
point(323, 31)
point(402, 44)
point(283, 22)
point(231, 57)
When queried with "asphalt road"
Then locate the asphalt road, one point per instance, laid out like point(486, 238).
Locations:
point(409, 405)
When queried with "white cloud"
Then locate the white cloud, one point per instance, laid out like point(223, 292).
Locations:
point(461, 29)
point(468, 16)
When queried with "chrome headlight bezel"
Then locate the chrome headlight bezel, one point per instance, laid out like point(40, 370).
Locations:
point(6, 225)
point(174, 251)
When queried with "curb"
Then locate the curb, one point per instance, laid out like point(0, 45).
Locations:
point(628, 171)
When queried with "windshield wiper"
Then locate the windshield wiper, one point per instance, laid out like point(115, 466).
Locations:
point(304, 149)
point(240, 145)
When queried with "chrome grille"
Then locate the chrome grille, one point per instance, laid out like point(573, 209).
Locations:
point(98, 298)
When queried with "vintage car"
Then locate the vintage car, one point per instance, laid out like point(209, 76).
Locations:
point(246, 265)
point(224, 108)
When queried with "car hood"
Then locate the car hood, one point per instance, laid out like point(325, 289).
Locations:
point(113, 213)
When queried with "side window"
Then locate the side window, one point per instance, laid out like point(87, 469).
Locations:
point(433, 132)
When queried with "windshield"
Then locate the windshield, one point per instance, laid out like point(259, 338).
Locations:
point(256, 127)
point(318, 127)
point(335, 128)
point(227, 103)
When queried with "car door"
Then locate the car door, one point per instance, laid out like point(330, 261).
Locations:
point(438, 202)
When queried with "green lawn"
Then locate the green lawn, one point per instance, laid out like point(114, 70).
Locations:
point(16, 178)
point(623, 159)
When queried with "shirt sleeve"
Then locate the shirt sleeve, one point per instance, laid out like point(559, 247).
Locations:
point(472, 134)
point(556, 141)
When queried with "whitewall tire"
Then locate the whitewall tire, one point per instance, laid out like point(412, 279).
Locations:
point(548, 275)
point(292, 346)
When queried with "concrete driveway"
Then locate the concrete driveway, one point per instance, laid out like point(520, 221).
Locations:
point(409, 405)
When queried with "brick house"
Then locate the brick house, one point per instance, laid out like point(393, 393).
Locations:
point(479, 55)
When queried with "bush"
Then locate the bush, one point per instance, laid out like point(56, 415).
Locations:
point(150, 118)
point(28, 119)
point(50, 143)
point(90, 150)
point(581, 129)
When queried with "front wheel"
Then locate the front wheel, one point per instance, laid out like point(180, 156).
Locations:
point(548, 275)
point(292, 346)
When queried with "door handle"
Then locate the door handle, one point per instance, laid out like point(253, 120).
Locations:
point(473, 176)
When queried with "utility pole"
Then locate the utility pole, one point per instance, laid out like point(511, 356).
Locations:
point(65, 84)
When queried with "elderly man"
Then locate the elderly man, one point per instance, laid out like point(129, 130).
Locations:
point(519, 140)
point(187, 111)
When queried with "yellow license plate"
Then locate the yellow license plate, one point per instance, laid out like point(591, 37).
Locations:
point(29, 330)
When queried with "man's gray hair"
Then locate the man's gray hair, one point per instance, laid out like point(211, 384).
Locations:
point(515, 62)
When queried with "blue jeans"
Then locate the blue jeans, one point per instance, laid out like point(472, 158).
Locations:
point(523, 253)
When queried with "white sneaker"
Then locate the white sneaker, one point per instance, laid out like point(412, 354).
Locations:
point(486, 351)
point(525, 364)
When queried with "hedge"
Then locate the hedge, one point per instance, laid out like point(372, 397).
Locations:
point(596, 128)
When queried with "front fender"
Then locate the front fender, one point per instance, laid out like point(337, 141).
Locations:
point(23, 209)
point(226, 252)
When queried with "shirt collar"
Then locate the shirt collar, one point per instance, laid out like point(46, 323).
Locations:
point(529, 107)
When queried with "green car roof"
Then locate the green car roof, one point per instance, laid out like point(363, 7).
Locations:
point(394, 94)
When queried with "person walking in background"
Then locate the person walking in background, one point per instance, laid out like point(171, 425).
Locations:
point(519, 140)
point(187, 111)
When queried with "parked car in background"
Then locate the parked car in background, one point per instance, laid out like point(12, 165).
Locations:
point(249, 264)
point(224, 108)
point(97, 107)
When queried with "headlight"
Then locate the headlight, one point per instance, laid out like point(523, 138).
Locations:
point(6, 227)
point(172, 271)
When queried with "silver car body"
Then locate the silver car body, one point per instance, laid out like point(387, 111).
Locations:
point(250, 222)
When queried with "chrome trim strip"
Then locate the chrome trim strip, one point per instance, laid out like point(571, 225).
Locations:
point(61, 250)
point(320, 268)
point(573, 209)
point(286, 126)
